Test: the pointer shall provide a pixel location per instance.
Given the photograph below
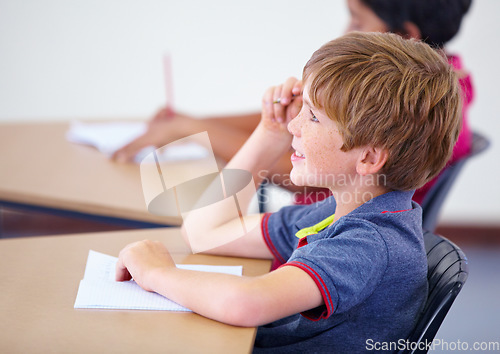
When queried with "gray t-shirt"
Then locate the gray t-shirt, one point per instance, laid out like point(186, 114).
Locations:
point(369, 265)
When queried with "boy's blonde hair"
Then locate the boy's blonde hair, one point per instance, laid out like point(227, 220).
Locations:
point(385, 91)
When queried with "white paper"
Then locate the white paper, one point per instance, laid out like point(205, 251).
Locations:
point(109, 137)
point(99, 290)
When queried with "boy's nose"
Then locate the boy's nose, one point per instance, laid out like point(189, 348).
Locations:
point(294, 126)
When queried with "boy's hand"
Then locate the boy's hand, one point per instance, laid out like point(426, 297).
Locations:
point(141, 261)
point(271, 140)
point(281, 104)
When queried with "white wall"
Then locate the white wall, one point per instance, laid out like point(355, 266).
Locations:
point(63, 60)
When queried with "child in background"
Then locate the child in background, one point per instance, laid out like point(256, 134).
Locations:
point(378, 117)
point(435, 22)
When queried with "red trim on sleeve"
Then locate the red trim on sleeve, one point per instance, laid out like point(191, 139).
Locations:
point(267, 238)
point(322, 288)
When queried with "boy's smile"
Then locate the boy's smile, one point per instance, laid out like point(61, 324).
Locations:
point(297, 156)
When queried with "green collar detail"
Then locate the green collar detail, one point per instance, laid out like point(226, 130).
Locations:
point(311, 230)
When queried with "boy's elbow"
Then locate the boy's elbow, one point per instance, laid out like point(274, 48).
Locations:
point(244, 309)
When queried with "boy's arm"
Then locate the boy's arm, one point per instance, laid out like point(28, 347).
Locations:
point(250, 245)
point(256, 156)
point(267, 144)
point(240, 301)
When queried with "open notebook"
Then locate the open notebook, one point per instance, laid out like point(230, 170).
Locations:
point(99, 290)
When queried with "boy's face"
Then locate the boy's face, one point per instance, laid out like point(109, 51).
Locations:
point(318, 160)
point(364, 19)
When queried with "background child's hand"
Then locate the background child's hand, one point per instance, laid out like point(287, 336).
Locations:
point(141, 261)
point(160, 131)
point(281, 104)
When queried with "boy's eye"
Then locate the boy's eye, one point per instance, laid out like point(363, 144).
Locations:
point(313, 117)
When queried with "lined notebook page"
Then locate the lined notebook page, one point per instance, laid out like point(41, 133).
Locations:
point(99, 290)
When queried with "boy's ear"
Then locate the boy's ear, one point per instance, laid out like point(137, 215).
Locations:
point(411, 30)
point(371, 160)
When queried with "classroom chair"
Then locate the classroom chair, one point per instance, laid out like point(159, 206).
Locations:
point(434, 199)
point(446, 274)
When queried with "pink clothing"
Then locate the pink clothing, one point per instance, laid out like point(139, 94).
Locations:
point(461, 149)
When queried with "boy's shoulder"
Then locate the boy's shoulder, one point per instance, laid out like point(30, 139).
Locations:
point(392, 220)
point(394, 206)
point(390, 210)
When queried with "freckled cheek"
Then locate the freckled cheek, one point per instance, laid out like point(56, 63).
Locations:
point(320, 157)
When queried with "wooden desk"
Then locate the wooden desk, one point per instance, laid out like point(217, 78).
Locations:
point(39, 167)
point(39, 280)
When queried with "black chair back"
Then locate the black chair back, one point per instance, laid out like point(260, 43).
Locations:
point(446, 275)
point(435, 197)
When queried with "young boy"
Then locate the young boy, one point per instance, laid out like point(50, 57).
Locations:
point(379, 116)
